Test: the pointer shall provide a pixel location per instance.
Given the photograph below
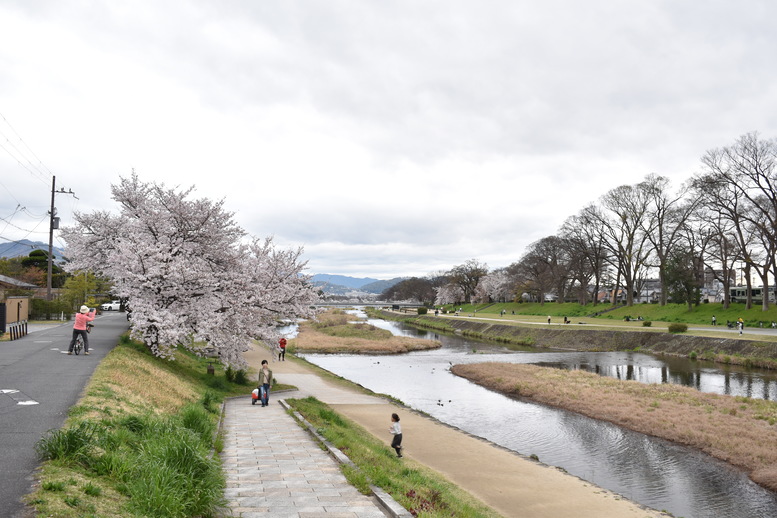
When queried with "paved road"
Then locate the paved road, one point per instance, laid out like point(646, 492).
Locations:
point(38, 384)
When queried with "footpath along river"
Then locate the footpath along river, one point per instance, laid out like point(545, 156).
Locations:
point(647, 470)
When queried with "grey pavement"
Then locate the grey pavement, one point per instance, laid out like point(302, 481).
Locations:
point(39, 382)
point(275, 468)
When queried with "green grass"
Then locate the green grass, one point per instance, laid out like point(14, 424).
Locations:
point(366, 331)
point(414, 486)
point(699, 315)
point(127, 450)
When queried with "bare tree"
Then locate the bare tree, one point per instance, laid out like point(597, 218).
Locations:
point(466, 276)
point(585, 241)
point(665, 221)
point(740, 182)
point(625, 227)
point(543, 269)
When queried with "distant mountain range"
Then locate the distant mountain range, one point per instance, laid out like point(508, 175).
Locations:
point(342, 284)
point(23, 248)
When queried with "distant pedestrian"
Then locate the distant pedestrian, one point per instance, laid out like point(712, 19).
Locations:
point(548, 319)
point(282, 351)
point(714, 320)
point(265, 382)
point(396, 431)
point(740, 325)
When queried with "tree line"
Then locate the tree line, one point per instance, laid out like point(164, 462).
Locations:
point(726, 214)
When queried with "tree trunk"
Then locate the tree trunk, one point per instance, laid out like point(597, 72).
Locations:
point(765, 291)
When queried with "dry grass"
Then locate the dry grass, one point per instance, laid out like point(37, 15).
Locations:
point(738, 430)
point(136, 383)
point(312, 340)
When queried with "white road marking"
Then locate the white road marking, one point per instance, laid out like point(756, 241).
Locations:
point(25, 402)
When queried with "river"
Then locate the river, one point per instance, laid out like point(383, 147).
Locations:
point(651, 471)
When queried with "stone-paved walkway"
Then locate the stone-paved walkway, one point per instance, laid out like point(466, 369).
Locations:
point(274, 468)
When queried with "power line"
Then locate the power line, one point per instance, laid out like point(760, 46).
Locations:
point(8, 222)
point(37, 172)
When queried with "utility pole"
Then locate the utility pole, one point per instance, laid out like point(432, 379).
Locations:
point(53, 224)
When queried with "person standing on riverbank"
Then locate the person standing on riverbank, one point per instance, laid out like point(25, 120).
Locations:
point(396, 431)
point(714, 320)
point(282, 351)
point(265, 381)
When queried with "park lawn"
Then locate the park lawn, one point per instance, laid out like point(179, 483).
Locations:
point(699, 315)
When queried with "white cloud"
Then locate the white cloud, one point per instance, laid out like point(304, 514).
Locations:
point(388, 139)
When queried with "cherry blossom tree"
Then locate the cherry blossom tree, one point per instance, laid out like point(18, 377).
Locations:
point(449, 294)
point(189, 272)
point(496, 286)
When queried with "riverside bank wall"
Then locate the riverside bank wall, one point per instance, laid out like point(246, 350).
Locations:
point(579, 338)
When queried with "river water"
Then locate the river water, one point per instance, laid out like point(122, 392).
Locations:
point(647, 470)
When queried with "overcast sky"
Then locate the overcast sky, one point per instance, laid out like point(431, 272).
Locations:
point(389, 138)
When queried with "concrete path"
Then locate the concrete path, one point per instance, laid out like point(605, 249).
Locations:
point(275, 469)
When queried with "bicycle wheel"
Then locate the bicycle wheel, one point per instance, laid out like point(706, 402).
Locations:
point(78, 345)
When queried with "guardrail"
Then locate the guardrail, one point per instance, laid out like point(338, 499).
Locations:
point(17, 329)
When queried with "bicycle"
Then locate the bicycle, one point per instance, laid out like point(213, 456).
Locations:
point(80, 339)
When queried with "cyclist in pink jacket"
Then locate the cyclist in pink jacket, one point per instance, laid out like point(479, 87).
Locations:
point(83, 316)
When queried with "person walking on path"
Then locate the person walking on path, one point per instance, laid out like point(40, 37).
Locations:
point(740, 324)
point(265, 381)
point(83, 316)
point(714, 320)
point(396, 430)
point(282, 351)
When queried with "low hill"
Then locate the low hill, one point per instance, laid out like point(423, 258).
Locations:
point(23, 248)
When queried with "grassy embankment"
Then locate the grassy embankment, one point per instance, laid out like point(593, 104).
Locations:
point(738, 430)
point(604, 334)
point(700, 315)
point(411, 484)
point(139, 442)
point(332, 333)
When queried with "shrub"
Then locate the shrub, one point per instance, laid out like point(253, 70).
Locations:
point(422, 311)
point(693, 355)
point(229, 374)
point(241, 378)
point(676, 327)
point(647, 323)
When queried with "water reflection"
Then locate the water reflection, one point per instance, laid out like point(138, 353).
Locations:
point(651, 471)
point(705, 376)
